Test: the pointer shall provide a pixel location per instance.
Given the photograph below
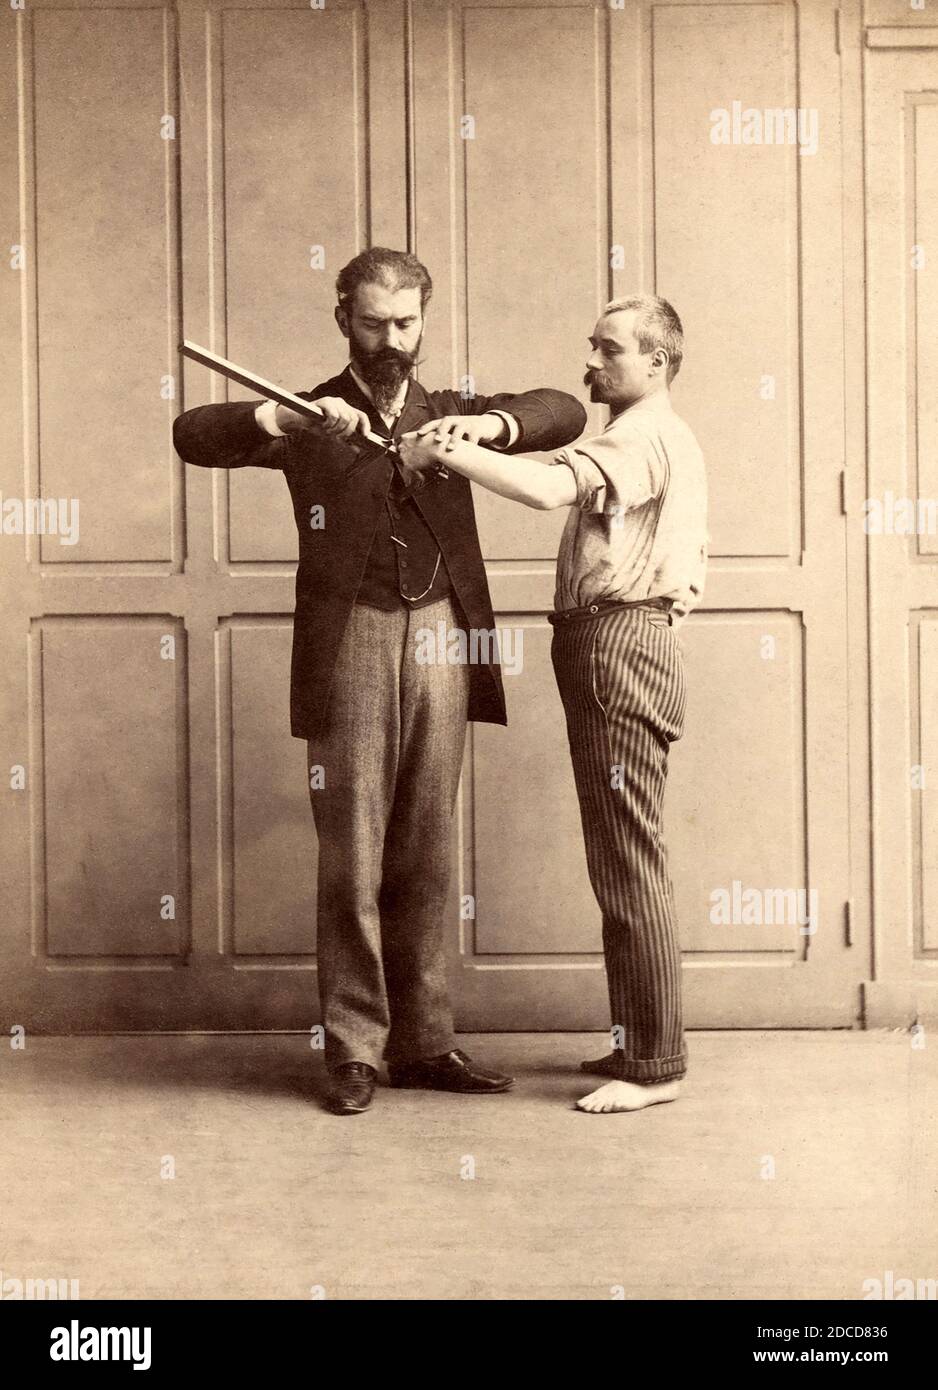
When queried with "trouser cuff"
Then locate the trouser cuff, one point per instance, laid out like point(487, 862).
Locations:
point(652, 1071)
point(420, 1049)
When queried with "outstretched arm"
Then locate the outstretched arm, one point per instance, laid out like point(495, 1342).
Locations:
point(536, 420)
point(240, 434)
point(524, 480)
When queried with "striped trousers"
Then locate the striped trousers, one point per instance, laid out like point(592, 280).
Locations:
point(621, 679)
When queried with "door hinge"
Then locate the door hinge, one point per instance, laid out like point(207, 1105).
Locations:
point(848, 922)
point(843, 492)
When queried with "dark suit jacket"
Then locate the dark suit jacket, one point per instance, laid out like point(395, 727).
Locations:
point(351, 488)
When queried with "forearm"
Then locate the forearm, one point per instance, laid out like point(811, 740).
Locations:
point(548, 419)
point(226, 436)
point(538, 485)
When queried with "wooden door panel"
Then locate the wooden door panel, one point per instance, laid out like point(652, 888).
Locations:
point(268, 842)
point(101, 250)
point(726, 252)
point(111, 845)
point(923, 137)
point(735, 809)
point(293, 83)
point(530, 885)
point(541, 144)
point(924, 643)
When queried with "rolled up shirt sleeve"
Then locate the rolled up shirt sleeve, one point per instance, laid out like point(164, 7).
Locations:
point(614, 474)
point(590, 483)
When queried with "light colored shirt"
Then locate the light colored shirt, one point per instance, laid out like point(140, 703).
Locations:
point(266, 413)
point(639, 526)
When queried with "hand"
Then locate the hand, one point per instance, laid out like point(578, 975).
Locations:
point(338, 418)
point(419, 452)
point(451, 430)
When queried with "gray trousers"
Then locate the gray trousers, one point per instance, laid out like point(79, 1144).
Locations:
point(390, 751)
point(621, 679)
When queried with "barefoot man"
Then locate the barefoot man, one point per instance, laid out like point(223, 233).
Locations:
point(631, 567)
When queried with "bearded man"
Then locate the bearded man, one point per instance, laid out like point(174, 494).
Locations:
point(392, 552)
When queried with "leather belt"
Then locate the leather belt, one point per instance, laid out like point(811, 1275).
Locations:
point(610, 605)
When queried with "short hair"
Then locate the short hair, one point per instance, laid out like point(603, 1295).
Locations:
point(395, 270)
point(656, 326)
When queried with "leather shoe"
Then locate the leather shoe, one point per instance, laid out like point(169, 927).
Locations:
point(351, 1089)
point(453, 1071)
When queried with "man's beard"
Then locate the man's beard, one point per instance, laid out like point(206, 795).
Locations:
point(385, 370)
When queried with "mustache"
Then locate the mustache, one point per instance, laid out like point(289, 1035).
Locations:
point(385, 361)
point(386, 355)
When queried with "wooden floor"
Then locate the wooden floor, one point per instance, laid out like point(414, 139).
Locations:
point(273, 1198)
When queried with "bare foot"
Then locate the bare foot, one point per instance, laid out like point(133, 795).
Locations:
point(618, 1096)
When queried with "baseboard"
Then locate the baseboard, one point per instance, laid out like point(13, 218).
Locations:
point(899, 1003)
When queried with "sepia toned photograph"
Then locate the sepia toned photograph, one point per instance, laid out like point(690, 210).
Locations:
point(469, 620)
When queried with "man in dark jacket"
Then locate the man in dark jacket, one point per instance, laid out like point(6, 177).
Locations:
point(383, 554)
